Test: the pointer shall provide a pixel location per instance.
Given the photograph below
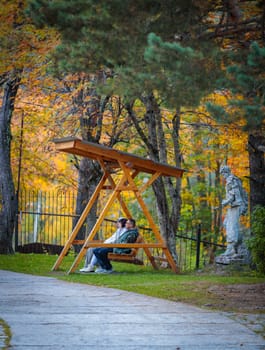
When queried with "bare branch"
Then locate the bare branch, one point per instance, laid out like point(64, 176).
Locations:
point(137, 125)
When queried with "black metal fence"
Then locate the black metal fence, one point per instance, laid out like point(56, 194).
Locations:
point(195, 252)
point(45, 221)
point(45, 217)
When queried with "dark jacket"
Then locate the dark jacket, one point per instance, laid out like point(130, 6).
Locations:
point(129, 236)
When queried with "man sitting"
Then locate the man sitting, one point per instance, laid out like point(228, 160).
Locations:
point(91, 260)
point(129, 236)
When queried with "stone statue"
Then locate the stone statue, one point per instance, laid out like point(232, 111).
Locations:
point(237, 202)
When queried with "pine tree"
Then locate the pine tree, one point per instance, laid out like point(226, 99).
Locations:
point(246, 80)
point(138, 45)
point(161, 53)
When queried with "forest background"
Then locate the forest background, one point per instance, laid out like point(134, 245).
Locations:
point(178, 82)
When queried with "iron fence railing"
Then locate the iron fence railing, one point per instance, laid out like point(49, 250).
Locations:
point(47, 218)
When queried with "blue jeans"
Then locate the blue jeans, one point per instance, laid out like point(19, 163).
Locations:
point(102, 257)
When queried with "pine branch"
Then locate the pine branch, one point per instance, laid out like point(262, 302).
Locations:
point(253, 24)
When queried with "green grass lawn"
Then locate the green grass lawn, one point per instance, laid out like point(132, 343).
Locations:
point(191, 288)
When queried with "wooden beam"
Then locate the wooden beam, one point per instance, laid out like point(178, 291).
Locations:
point(149, 182)
point(171, 261)
point(93, 150)
point(96, 226)
point(96, 244)
point(134, 188)
point(113, 186)
point(79, 223)
point(149, 218)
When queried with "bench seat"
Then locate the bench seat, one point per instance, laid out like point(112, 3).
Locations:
point(128, 258)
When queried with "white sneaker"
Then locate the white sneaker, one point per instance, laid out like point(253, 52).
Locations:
point(87, 269)
point(100, 270)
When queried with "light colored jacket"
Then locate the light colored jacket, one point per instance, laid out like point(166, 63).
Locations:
point(116, 235)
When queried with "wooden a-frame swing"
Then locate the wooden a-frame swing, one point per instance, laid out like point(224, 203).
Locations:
point(130, 166)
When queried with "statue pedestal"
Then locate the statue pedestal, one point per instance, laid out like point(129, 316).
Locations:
point(242, 257)
point(230, 259)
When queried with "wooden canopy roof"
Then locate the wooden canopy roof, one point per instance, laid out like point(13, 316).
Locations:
point(112, 157)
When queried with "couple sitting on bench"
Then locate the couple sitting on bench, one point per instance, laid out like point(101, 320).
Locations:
point(127, 232)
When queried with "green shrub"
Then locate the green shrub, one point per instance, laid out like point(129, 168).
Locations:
point(256, 243)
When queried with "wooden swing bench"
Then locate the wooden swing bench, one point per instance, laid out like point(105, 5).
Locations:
point(130, 257)
point(128, 166)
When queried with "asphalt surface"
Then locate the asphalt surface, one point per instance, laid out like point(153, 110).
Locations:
point(45, 313)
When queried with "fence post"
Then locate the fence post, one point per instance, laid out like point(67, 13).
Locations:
point(16, 226)
point(198, 246)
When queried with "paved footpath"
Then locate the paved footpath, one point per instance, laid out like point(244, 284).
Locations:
point(45, 313)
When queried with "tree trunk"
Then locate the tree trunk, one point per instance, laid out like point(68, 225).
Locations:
point(256, 149)
point(8, 205)
point(168, 215)
point(88, 178)
point(217, 221)
point(90, 110)
point(175, 190)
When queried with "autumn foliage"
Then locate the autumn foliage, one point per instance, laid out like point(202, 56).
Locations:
point(149, 98)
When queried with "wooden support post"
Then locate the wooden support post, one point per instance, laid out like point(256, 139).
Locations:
point(151, 258)
point(113, 185)
point(171, 260)
point(97, 225)
point(150, 219)
point(80, 222)
point(134, 188)
point(149, 182)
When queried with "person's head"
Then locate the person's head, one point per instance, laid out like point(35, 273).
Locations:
point(121, 222)
point(225, 171)
point(130, 223)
